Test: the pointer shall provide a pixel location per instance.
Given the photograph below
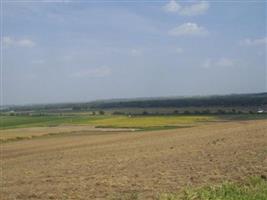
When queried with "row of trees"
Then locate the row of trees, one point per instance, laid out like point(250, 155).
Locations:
point(188, 112)
point(244, 100)
point(12, 113)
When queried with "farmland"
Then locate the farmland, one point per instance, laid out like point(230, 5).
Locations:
point(34, 121)
point(28, 127)
point(8, 122)
point(81, 156)
point(121, 121)
point(133, 153)
point(97, 164)
point(20, 127)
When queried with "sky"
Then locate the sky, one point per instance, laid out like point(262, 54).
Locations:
point(79, 51)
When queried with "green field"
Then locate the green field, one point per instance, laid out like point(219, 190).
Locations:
point(117, 121)
point(8, 122)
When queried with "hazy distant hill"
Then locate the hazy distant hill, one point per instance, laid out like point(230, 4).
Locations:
point(233, 100)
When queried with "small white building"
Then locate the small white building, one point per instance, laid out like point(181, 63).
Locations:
point(260, 111)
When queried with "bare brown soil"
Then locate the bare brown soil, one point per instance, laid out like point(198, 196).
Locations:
point(28, 133)
point(97, 165)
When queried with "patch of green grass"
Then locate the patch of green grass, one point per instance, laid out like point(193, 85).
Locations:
point(27, 121)
point(8, 122)
point(111, 121)
point(138, 122)
point(253, 189)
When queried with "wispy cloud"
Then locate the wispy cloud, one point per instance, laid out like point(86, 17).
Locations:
point(225, 62)
point(197, 8)
point(172, 6)
point(254, 42)
point(136, 52)
point(99, 72)
point(221, 62)
point(12, 42)
point(189, 29)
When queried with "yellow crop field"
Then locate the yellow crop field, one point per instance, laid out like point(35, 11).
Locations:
point(150, 121)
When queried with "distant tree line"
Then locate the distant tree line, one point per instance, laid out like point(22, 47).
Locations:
point(220, 101)
point(189, 112)
point(242, 100)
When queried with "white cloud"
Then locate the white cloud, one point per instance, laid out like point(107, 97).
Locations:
point(254, 42)
point(136, 52)
point(172, 6)
point(94, 72)
point(221, 62)
point(12, 42)
point(197, 8)
point(179, 50)
point(225, 62)
point(25, 43)
point(189, 29)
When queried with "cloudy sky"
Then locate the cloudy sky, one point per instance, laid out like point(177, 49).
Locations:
point(67, 51)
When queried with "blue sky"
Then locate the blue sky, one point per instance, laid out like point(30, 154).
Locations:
point(67, 51)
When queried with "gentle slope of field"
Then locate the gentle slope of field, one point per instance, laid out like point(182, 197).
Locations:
point(15, 128)
point(97, 165)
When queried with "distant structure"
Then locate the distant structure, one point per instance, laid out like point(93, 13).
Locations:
point(11, 112)
point(260, 111)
